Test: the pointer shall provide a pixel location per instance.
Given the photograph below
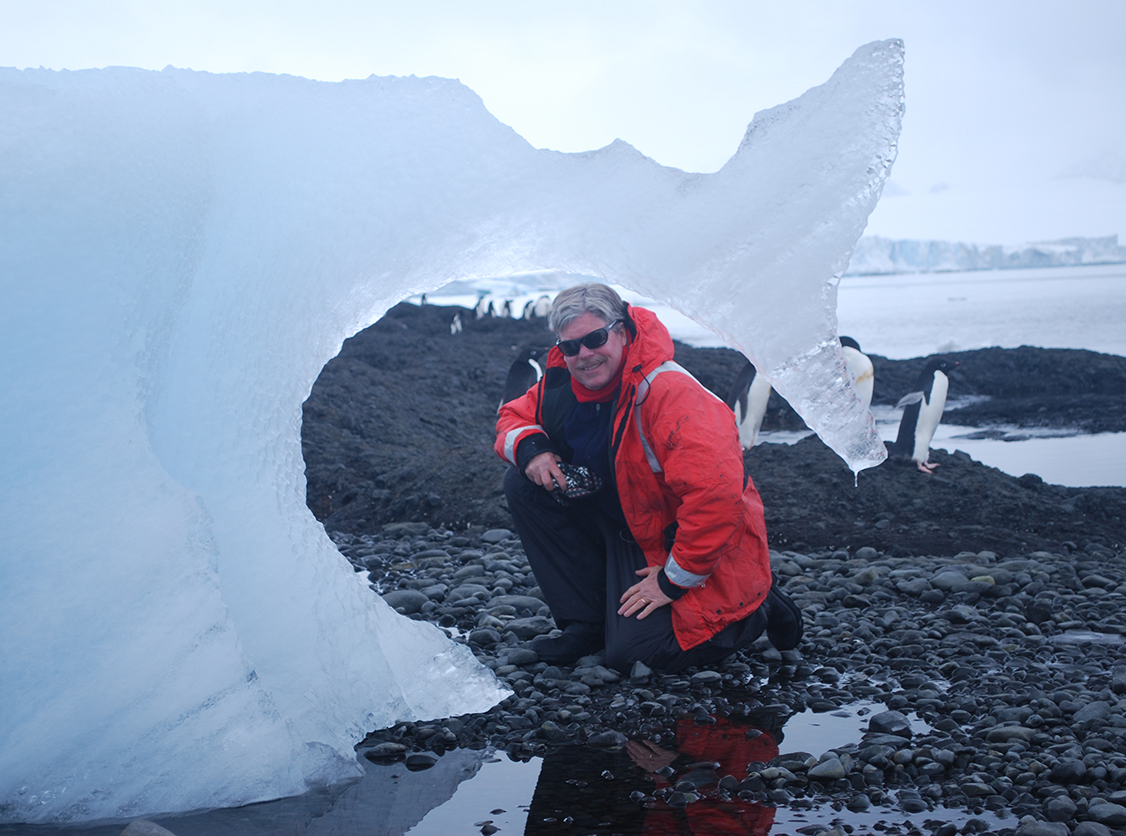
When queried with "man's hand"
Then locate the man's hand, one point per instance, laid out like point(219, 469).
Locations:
point(543, 467)
point(644, 597)
point(649, 756)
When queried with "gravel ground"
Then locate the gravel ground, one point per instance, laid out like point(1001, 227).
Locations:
point(991, 607)
point(1015, 665)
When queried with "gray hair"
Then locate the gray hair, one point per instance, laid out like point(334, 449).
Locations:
point(598, 299)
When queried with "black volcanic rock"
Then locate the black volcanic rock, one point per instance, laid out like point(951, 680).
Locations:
point(399, 427)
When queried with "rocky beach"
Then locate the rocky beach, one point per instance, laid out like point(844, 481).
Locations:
point(978, 617)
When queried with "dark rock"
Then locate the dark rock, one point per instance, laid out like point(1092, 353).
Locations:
point(408, 601)
point(890, 722)
point(419, 761)
point(1108, 813)
point(1068, 771)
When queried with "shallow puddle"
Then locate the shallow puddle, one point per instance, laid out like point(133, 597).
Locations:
point(579, 790)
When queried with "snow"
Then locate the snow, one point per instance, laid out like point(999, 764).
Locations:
point(181, 254)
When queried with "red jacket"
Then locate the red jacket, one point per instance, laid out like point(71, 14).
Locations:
point(679, 468)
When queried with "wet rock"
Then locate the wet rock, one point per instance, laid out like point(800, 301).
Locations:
point(1029, 826)
point(1106, 812)
point(911, 802)
point(1091, 828)
point(607, 740)
point(144, 827)
point(1097, 710)
point(890, 722)
point(408, 601)
point(529, 628)
point(1060, 808)
point(521, 656)
point(419, 761)
point(828, 770)
point(1068, 771)
point(1008, 734)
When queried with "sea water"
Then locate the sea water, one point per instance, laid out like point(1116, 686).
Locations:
point(917, 315)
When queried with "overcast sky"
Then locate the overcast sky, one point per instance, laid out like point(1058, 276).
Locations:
point(1016, 110)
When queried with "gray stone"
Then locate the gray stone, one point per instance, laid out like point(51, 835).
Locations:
point(911, 802)
point(961, 614)
point(529, 628)
point(522, 603)
point(1106, 812)
point(144, 827)
point(497, 535)
point(1097, 710)
point(521, 656)
point(408, 601)
point(976, 789)
point(467, 590)
point(420, 760)
point(608, 740)
point(1031, 827)
point(1068, 771)
point(828, 770)
point(1008, 734)
point(473, 570)
point(949, 580)
point(1060, 808)
point(405, 529)
point(1091, 828)
point(484, 637)
point(640, 672)
point(890, 722)
point(707, 678)
point(385, 750)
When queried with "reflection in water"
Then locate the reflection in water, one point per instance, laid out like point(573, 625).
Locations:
point(694, 784)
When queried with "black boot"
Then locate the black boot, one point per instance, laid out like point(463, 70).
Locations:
point(783, 619)
point(578, 640)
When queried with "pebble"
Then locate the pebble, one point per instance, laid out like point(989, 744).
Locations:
point(998, 682)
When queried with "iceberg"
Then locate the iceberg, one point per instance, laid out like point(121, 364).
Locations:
point(180, 254)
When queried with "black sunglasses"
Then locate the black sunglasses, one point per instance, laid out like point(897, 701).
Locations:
point(595, 339)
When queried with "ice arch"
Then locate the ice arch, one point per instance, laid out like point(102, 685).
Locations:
point(180, 253)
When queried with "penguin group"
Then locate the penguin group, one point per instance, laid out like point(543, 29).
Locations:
point(490, 305)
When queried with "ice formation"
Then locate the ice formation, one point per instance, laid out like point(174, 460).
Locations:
point(181, 253)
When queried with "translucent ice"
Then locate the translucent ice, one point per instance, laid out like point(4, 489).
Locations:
point(180, 253)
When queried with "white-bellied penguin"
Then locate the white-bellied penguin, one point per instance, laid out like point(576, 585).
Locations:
point(922, 413)
point(523, 374)
point(861, 367)
point(748, 398)
point(538, 308)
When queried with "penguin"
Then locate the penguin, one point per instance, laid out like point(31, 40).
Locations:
point(524, 373)
point(484, 306)
point(538, 309)
point(455, 324)
point(861, 367)
point(923, 412)
point(748, 398)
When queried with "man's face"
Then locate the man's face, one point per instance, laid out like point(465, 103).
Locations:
point(594, 368)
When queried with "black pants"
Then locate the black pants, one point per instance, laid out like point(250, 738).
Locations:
point(584, 562)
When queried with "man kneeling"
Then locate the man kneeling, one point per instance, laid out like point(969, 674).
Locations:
point(627, 490)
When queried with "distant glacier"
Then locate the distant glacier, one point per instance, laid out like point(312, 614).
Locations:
point(880, 256)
